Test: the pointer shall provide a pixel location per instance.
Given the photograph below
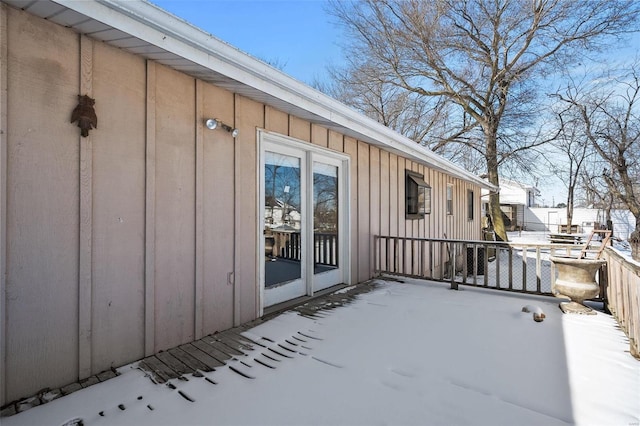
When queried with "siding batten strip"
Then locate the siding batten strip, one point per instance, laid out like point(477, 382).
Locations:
point(351, 149)
point(374, 203)
point(86, 219)
point(237, 208)
point(150, 214)
point(199, 237)
point(3, 197)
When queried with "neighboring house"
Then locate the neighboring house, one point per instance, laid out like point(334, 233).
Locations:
point(584, 220)
point(521, 212)
point(515, 199)
point(151, 231)
point(278, 213)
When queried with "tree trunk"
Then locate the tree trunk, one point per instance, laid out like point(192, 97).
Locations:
point(569, 209)
point(634, 241)
point(492, 173)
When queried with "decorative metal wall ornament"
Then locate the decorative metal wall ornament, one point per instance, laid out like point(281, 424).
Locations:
point(85, 115)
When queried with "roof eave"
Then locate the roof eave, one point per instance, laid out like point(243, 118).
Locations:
point(164, 30)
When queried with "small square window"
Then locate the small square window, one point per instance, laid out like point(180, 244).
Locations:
point(418, 196)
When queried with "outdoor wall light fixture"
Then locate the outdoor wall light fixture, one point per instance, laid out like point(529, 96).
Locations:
point(214, 123)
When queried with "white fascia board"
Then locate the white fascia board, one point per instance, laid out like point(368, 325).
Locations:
point(152, 24)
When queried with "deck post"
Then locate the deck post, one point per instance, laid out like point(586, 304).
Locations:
point(603, 280)
point(376, 261)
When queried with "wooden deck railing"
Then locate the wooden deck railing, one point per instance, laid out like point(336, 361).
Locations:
point(507, 266)
point(524, 268)
point(623, 296)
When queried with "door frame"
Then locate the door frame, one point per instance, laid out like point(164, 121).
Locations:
point(265, 138)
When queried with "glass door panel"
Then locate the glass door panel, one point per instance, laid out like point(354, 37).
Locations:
point(326, 214)
point(284, 239)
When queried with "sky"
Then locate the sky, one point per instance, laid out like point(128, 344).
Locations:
point(407, 357)
point(301, 38)
point(296, 36)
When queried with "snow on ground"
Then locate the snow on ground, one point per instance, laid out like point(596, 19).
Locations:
point(406, 353)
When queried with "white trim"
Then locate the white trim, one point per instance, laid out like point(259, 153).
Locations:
point(307, 199)
point(160, 28)
point(298, 287)
point(259, 225)
point(326, 279)
point(300, 144)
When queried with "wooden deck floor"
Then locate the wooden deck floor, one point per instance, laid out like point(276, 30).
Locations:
point(206, 354)
point(211, 352)
point(215, 350)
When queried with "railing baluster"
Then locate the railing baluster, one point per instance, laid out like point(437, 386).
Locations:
point(485, 281)
point(538, 271)
point(452, 262)
point(395, 254)
point(376, 261)
point(524, 269)
point(413, 257)
point(510, 267)
point(387, 266)
point(552, 252)
point(442, 262)
point(465, 262)
point(431, 259)
point(422, 244)
point(497, 260)
point(403, 256)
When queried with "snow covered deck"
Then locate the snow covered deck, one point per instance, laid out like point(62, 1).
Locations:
point(404, 353)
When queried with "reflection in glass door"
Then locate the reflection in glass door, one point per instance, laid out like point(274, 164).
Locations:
point(284, 240)
point(325, 224)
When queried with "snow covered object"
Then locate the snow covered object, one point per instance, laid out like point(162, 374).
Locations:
point(538, 314)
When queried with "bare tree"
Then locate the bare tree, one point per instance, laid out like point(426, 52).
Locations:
point(482, 56)
point(611, 119)
point(571, 149)
point(427, 121)
point(595, 192)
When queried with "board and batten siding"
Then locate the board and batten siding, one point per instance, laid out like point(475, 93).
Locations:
point(42, 210)
point(118, 217)
point(143, 235)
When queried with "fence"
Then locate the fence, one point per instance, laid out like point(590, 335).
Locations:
point(623, 296)
point(523, 268)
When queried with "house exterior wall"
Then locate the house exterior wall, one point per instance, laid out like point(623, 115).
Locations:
point(515, 193)
point(143, 235)
point(42, 204)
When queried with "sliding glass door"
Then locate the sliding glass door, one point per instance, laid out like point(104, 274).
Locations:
point(283, 220)
point(302, 220)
